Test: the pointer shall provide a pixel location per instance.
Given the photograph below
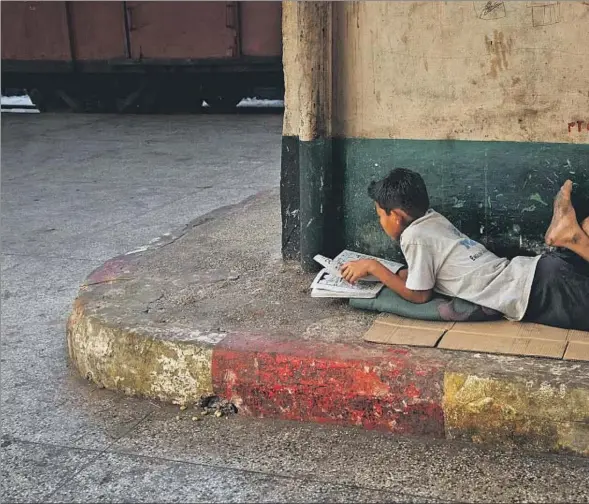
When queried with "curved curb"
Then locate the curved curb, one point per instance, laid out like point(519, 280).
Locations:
point(134, 358)
point(520, 403)
point(127, 360)
point(393, 389)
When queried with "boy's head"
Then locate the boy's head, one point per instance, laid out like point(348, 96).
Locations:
point(400, 197)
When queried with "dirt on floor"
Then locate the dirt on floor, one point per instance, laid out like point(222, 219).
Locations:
point(225, 273)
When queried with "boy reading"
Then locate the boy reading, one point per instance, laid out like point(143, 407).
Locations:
point(550, 289)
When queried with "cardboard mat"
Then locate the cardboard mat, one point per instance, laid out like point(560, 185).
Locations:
point(500, 337)
point(394, 330)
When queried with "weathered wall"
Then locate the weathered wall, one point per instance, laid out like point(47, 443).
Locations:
point(308, 56)
point(492, 70)
point(488, 100)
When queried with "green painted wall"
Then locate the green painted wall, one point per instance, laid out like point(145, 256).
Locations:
point(497, 192)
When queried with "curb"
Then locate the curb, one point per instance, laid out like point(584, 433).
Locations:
point(136, 360)
point(115, 341)
point(138, 364)
point(389, 389)
point(402, 390)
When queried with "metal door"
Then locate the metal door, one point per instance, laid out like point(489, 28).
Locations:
point(35, 31)
point(98, 30)
point(261, 28)
point(182, 30)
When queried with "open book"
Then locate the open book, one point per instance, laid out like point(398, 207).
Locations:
point(329, 281)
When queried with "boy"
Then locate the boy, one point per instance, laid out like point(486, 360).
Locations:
point(551, 289)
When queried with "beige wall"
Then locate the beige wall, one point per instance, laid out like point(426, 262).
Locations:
point(514, 70)
point(292, 77)
point(307, 55)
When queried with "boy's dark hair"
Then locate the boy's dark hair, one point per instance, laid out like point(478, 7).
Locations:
point(403, 189)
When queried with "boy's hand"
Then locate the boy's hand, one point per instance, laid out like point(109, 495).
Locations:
point(355, 270)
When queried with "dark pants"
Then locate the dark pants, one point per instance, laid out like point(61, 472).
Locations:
point(560, 291)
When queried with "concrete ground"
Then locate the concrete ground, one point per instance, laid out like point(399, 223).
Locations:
point(77, 190)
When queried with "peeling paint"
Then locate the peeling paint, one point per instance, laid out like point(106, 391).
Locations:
point(516, 97)
point(538, 198)
point(129, 360)
point(458, 203)
point(530, 413)
point(284, 379)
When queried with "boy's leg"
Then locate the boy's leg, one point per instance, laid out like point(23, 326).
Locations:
point(560, 294)
point(564, 230)
point(560, 291)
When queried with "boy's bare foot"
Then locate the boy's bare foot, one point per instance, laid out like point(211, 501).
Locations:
point(564, 228)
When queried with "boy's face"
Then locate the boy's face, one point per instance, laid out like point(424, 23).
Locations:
point(391, 223)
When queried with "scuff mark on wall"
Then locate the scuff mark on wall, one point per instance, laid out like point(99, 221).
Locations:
point(498, 48)
point(538, 198)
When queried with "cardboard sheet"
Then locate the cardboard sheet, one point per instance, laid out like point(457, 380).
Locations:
point(505, 328)
point(387, 318)
point(582, 336)
point(394, 330)
point(510, 345)
point(500, 337)
point(577, 351)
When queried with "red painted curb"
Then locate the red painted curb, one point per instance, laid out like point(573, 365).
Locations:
point(378, 388)
point(111, 270)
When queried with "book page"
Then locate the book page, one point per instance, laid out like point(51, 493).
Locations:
point(327, 263)
point(326, 282)
point(349, 255)
point(334, 265)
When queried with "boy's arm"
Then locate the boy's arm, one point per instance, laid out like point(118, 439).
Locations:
point(355, 270)
point(396, 282)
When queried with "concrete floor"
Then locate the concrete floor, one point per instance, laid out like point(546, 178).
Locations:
point(77, 190)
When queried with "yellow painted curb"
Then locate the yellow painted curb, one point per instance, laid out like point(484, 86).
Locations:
point(126, 360)
point(533, 414)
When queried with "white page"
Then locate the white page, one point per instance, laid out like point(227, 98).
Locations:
point(338, 287)
point(334, 265)
point(327, 263)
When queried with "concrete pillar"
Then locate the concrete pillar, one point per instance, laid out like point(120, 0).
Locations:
point(307, 146)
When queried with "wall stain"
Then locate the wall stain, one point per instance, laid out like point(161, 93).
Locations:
point(498, 48)
point(538, 198)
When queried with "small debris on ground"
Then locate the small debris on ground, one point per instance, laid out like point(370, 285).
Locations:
point(215, 405)
point(210, 405)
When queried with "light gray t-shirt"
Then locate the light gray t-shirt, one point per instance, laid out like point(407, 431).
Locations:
point(440, 257)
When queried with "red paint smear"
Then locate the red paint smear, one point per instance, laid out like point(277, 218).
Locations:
point(373, 386)
point(110, 270)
